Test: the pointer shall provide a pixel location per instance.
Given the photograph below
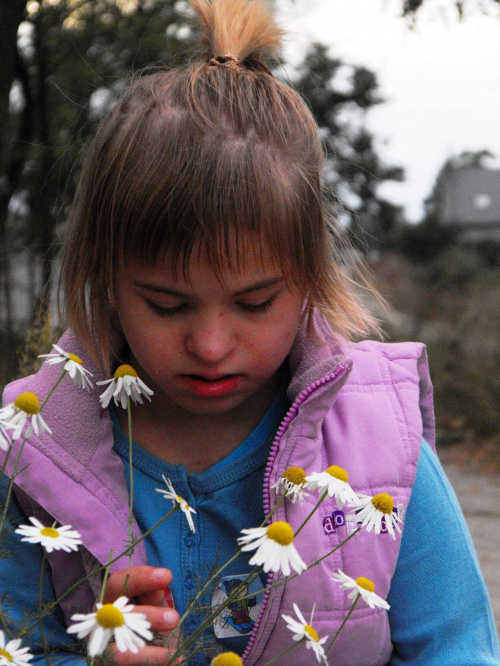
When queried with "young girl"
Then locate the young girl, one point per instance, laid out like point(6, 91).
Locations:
point(199, 252)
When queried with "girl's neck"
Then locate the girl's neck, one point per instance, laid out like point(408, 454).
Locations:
point(198, 441)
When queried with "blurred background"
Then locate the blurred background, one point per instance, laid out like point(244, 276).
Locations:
point(406, 94)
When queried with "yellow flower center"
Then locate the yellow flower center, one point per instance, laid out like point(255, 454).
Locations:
point(181, 500)
point(338, 473)
point(110, 617)
point(27, 402)
point(383, 503)
point(50, 532)
point(295, 475)
point(6, 655)
point(124, 370)
point(365, 583)
point(75, 358)
point(311, 632)
point(281, 532)
point(227, 659)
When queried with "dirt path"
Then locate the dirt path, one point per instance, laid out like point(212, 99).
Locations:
point(479, 497)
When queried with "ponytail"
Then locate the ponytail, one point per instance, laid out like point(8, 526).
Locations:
point(237, 33)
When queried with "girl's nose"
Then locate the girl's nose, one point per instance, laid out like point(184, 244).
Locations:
point(211, 339)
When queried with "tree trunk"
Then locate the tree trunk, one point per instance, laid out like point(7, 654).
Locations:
point(42, 210)
point(11, 15)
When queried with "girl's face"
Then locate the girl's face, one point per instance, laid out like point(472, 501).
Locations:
point(205, 348)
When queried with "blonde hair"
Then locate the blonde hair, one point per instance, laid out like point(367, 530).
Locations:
point(209, 154)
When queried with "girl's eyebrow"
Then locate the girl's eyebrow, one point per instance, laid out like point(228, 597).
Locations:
point(151, 286)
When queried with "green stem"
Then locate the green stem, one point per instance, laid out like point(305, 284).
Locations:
point(273, 510)
point(63, 372)
point(330, 645)
point(316, 507)
point(43, 643)
point(106, 575)
point(131, 475)
point(124, 586)
point(4, 466)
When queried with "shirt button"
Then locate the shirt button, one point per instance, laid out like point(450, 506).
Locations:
point(191, 624)
point(189, 540)
point(189, 582)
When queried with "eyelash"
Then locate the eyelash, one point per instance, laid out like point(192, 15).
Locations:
point(163, 312)
point(259, 307)
point(247, 307)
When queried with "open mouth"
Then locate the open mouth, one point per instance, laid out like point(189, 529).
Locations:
point(211, 387)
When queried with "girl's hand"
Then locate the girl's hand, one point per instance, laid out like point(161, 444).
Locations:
point(145, 586)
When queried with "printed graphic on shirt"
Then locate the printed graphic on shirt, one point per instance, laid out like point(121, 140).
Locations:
point(239, 618)
point(338, 519)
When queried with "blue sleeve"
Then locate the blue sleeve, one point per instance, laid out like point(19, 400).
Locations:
point(20, 566)
point(440, 612)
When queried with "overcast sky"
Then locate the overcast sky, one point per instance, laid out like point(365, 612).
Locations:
point(441, 80)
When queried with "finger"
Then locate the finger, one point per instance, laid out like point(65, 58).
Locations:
point(150, 655)
point(136, 581)
point(162, 620)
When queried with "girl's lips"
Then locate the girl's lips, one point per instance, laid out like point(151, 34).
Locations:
point(211, 388)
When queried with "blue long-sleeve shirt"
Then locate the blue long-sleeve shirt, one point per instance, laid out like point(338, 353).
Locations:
point(440, 613)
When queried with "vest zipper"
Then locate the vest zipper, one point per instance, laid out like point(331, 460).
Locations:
point(290, 415)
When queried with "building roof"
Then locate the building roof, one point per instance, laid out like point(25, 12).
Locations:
point(469, 195)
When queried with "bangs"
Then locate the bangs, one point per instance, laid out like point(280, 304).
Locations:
point(187, 189)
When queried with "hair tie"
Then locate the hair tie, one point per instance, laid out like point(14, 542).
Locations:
point(225, 61)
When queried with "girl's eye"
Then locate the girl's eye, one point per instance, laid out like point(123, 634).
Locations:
point(258, 307)
point(165, 312)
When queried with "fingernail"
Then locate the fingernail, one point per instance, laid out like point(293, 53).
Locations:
point(170, 617)
point(159, 574)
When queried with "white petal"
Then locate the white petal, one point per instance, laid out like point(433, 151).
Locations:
point(107, 396)
point(299, 614)
point(99, 638)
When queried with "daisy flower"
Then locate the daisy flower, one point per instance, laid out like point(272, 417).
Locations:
point(11, 655)
point(275, 549)
point(50, 538)
point(306, 632)
point(125, 384)
point(112, 621)
point(15, 415)
point(334, 482)
point(370, 511)
point(362, 586)
point(177, 500)
point(293, 482)
point(72, 365)
point(227, 659)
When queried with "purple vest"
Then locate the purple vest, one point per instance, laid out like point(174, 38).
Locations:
point(363, 407)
